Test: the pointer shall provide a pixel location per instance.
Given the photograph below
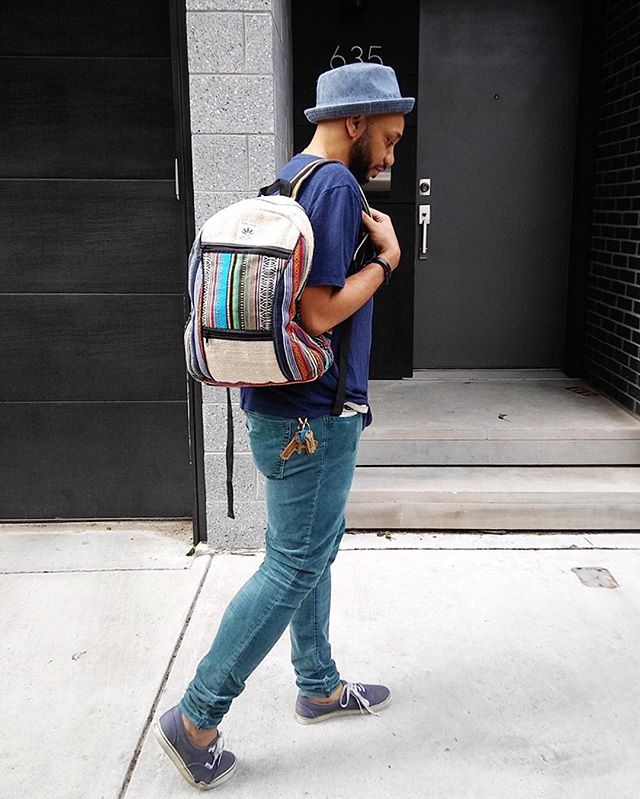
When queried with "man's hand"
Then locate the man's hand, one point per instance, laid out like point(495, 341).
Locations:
point(380, 228)
point(323, 307)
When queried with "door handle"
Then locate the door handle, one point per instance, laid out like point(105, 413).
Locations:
point(424, 220)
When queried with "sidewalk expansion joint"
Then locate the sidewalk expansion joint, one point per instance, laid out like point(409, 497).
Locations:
point(101, 571)
point(154, 706)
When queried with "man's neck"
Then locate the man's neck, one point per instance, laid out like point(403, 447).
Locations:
point(322, 147)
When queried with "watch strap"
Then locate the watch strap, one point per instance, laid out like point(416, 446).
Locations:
point(385, 265)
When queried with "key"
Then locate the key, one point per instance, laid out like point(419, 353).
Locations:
point(307, 437)
point(302, 443)
point(310, 441)
point(292, 446)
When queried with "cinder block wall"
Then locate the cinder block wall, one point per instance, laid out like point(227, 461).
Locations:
point(612, 352)
point(242, 131)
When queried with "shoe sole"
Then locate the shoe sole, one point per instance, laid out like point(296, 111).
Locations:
point(335, 713)
point(184, 771)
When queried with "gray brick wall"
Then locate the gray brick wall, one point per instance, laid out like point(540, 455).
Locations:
point(242, 132)
point(612, 347)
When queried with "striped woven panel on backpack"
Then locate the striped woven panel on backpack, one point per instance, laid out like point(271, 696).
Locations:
point(239, 289)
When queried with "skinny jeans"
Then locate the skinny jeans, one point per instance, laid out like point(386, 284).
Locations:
point(305, 498)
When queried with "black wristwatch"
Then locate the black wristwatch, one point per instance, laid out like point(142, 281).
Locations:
point(385, 265)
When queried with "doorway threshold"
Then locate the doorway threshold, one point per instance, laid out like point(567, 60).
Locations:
point(455, 420)
point(488, 374)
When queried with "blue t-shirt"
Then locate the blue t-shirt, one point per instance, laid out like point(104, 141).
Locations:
point(331, 198)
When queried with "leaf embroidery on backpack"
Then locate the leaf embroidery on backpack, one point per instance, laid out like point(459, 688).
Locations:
point(247, 231)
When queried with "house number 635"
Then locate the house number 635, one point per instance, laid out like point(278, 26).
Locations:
point(338, 60)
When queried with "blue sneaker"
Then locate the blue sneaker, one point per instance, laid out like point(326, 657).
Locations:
point(355, 699)
point(204, 767)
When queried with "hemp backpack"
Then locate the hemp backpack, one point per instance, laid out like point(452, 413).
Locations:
point(247, 269)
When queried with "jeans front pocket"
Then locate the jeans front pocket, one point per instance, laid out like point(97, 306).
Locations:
point(268, 436)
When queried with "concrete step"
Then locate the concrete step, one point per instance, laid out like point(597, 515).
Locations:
point(495, 498)
point(496, 418)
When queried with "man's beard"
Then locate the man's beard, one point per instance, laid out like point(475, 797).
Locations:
point(360, 158)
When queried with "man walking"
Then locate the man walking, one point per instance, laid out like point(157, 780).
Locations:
point(359, 114)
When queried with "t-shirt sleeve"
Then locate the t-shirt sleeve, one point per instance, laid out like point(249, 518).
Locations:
point(335, 219)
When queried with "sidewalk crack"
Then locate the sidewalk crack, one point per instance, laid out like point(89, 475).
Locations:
point(154, 706)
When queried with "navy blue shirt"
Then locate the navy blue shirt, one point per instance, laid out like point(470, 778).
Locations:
point(331, 198)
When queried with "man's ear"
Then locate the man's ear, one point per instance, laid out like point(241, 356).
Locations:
point(356, 126)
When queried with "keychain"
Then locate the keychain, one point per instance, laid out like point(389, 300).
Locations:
point(303, 441)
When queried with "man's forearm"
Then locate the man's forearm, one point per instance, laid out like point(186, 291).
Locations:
point(323, 307)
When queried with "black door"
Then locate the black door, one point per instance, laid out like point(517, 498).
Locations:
point(496, 137)
point(93, 419)
point(347, 31)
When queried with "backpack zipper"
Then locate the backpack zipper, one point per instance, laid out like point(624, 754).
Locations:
point(275, 252)
point(245, 335)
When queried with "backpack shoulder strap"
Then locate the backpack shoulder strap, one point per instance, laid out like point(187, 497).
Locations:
point(306, 172)
point(297, 180)
point(290, 188)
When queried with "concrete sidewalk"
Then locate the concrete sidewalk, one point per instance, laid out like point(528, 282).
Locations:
point(512, 677)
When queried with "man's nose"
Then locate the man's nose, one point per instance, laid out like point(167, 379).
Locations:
point(389, 160)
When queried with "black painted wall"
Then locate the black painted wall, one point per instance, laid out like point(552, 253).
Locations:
point(612, 343)
point(93, 399)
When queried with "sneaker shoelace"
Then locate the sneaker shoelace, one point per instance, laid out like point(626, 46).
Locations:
point(216, 749)
point(357, 691)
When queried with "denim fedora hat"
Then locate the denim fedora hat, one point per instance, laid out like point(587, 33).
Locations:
point(358, 89)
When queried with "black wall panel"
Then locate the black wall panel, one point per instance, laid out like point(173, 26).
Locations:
point(91, 236)
point(60, 460)
point(91, 347)
point(86, 118)
point(93, 390)
point(84, 28)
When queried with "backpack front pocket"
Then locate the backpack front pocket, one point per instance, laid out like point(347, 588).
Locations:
point(238, 286)
point(237, 312)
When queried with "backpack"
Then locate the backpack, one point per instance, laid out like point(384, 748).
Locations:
point(248, 267)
